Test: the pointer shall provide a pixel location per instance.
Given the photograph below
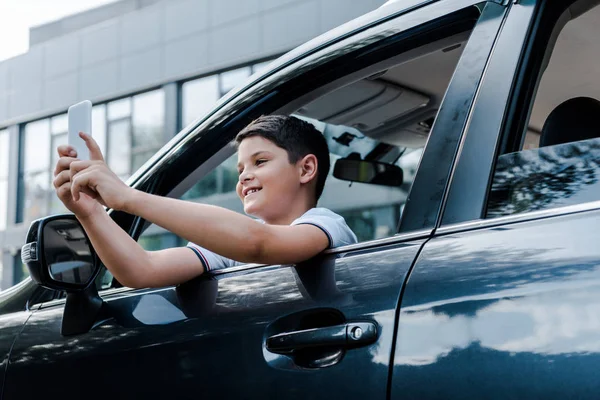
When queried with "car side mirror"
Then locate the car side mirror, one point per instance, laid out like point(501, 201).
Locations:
point(59, 256)
point(373, 172)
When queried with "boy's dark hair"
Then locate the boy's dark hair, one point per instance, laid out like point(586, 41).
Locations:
point(299, 138)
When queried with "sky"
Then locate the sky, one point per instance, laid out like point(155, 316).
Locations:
point(17, 16)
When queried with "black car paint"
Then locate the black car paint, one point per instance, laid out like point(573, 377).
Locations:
point(476, 298)
point(183, 340)
point(513, 313)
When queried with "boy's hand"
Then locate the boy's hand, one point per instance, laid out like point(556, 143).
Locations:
point(62, 184)
point(95, 179)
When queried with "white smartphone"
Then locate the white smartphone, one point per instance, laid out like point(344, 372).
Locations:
point(80, 120)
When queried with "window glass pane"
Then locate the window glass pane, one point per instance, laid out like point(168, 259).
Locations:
point(3, 204)
point(558, 161)
point(4, 153)
point(199, 96)
point(59, 124)
point(56, 206)
point(234, 78)
point(20, 272)
point(149, 119)
point(37, 193)
point(57, 140)
point(205, 187)
point(548, 177)
point(104, 280)
point(139, 158)
point(372, 223)
point(119, 109)
point(152, 242)
point(37, 146)
point(119, 150)
point(99, 126)
point(229, 174)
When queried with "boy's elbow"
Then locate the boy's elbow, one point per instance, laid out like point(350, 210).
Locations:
point(133, 277)
point(132, 282)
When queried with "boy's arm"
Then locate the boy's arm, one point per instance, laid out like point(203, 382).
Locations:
point(228, 233)
point(133, 266)
point(221, 231)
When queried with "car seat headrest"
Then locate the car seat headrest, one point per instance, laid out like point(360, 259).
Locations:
point(573, 120)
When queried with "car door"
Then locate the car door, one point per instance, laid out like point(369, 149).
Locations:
point(15, 305)
point(321, 329)
point(503, 301)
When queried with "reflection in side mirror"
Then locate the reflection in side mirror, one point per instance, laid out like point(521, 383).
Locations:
point(67, 252)
point(373, 172)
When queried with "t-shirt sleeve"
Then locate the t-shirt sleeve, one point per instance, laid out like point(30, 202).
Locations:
point(211, 261)
point(332, 224)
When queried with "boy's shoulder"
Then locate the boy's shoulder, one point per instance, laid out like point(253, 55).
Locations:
point(321, 211)
point(334, 225)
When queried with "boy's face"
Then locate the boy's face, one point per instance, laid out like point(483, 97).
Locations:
point(268, 183)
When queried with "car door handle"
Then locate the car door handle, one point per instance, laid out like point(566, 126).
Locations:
point(352, 334)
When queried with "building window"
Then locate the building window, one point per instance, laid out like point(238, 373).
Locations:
point(20, 271)
point(35, 169)
point(199, 96)
point(135, 131)
point(148, 126)
point(4, 155)
point(39, 141)
point(231, 79)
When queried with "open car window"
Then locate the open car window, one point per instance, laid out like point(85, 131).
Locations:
point(383, 120)
point(378, 115)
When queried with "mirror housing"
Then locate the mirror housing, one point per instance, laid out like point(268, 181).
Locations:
point(59, 256)
point(374, 172)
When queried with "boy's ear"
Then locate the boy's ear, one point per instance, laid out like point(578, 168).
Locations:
point(308, 168)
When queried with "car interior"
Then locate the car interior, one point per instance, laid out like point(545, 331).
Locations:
point(381, 122)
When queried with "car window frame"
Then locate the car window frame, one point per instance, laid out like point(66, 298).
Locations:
point(205, 138)
point(509, 85)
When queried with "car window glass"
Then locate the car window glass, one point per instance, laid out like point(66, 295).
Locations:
point(558, 162)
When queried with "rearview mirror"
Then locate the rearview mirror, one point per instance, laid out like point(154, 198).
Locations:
point(373, 172)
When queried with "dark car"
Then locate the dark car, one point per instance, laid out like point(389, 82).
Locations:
point(477, 273)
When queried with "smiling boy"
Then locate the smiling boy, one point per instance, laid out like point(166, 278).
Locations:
point(282, 163)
